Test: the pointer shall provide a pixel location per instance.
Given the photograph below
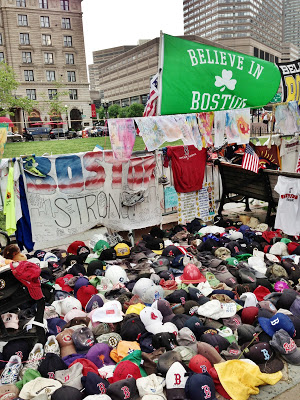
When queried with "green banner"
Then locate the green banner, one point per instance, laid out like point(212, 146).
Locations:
point(200, 78)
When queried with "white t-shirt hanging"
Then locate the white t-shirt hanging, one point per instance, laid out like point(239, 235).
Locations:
point(288, 210)
point(289, 152)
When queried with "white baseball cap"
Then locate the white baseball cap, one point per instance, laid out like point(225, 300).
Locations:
point(141, 286)
point(215, 309)
point(39, 386)
point(249, 299)
point(67, 304)
point(172, 381)
point(116, 274)
point(152, 320)
point(10, 320)
point(258, 264)
point(111, 312)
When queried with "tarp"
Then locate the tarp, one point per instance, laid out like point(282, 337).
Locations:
point(82, 190)
point(198, 77)
point(290, 80)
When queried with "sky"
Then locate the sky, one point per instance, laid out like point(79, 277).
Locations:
point(111, 23)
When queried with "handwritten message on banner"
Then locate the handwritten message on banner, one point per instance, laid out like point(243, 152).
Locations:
point(82, 190)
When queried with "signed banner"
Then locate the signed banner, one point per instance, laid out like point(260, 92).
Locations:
point(79, 191)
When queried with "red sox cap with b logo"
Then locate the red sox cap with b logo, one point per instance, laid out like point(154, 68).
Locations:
point(175, 381)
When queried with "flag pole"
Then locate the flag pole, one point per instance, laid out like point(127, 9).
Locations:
point(160, 71)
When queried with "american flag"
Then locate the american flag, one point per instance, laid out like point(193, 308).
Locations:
point(298, 165)
point(250, 160)
point(151, 105)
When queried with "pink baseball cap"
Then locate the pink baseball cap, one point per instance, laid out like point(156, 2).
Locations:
point(10, 320)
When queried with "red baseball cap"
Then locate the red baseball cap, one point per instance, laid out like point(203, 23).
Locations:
point(260, 292)
point(249, 315)
point(72, 249)
point(199, 364)
point(124, 370)
point(63, 282)
point(88, 366)
point(85, 293)
point(28, 274)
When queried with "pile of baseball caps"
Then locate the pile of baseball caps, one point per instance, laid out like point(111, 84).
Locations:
point(192, 313)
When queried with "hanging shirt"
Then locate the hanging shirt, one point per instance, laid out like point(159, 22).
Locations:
point(188, 167)
point(288, 210)
point(9, 203)
point(289, 152)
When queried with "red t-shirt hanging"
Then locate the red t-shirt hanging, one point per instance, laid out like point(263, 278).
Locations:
point(188, 167)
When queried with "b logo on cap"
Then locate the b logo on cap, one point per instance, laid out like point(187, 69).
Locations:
point(203, 368)
point(126, 392)
point(207, 392)
point(177, 379)
point(51, 375)
point(101, 387)
point(275, 322)
point(266, 354)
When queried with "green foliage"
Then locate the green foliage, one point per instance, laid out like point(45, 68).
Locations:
point(55, 106)
point(123, 112)
point(8, 87)
point(135, 110)
point(101, 112)
point(114, 110)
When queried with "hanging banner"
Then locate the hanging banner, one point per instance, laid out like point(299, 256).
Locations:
point(290, 80)
point(79, 191)
point(201, 78)
point(3, 137)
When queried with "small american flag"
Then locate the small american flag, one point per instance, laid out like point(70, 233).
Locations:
point(250, 160)
point(298, 165)
point(151, 105)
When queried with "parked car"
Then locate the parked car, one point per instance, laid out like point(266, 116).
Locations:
point(56, 133)
point(36, 132)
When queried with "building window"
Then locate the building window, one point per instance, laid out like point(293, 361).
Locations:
point(66, 23)
point(22, 20)
point(48, 58)
point(28, 74)
point(68, 41)
point(21, 3)
point(45, 22)
point(71, 76)
point(46, 40)
point(52, 93)
point(43, 3)
point(255, 52)
point(276, 59)
point(69, 58)
point(24, 38)
point(50, 76)
point(261, 54)
point(1, 43)
point(31, 94)
point(73, 94)
point(64, 5)
point(1, 56)
point(26, 57)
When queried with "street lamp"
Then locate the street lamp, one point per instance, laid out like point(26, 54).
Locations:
point(67, 116)
point(105, 106)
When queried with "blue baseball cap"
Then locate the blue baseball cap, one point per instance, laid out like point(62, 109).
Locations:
point(82, 281)
point(200, 386)
point(55, 325)
point(277, 322)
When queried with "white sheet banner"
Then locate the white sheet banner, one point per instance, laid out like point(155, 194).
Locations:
point(82, 190)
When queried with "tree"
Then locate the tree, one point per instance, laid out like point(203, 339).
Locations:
point(8, 86)
point(101, 112)
point(113, 111)
point(56, 105)
point(123, 112)
point(135, 110)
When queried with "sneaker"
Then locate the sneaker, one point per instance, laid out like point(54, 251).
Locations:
point(11, 371)
point(163, 180)
point(34, 359)
point(30, 165)
point(52, 346)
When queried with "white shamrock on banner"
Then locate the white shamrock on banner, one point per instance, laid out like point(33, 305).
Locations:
point(225, 81)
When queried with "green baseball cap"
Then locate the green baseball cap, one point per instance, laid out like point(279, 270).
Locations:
point(100, 246)
point(232, 261)
point(212, 280)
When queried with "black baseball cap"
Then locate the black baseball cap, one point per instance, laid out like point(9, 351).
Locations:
point(67, 393)
point(51, 363)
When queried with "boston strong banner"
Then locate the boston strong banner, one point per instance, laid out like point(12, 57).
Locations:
point(198, 77)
